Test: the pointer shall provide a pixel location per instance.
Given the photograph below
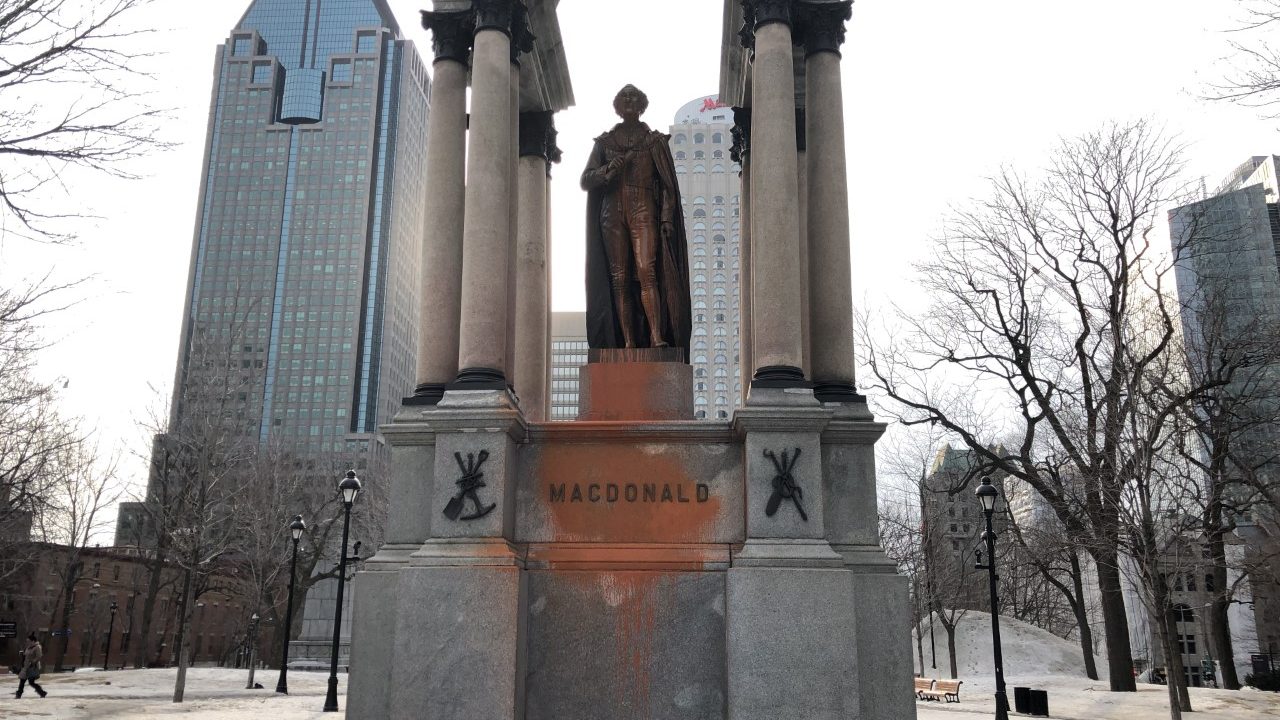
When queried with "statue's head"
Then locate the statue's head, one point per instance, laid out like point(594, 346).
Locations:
point(630, 101)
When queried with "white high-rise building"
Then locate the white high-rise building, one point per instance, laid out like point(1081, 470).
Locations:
point(710, 190)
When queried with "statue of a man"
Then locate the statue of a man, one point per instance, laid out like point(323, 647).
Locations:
point(637, 257)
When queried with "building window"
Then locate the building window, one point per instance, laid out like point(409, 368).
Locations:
point(341, 72)
point(242, 47)
point(698, 138)
point(366, 43)
point(261, 74)
point(717, 138)
point(681, 139)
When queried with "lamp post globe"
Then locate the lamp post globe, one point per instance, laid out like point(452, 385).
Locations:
point(296, 528)
point(987, 495)
point(349, 488)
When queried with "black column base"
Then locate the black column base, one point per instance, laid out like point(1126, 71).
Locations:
point(425, 395)
point(479, 379)
point(836, 392)
point(780, 376)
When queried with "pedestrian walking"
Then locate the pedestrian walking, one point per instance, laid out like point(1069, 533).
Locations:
point(30, 671)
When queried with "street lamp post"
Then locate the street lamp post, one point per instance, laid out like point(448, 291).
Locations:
point(350, 487)
point(253, 649)
point(93, 623)
point(111, 628)
point(987, 495)
point(296, 528)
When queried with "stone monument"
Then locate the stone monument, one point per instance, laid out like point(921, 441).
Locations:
point(635, 564)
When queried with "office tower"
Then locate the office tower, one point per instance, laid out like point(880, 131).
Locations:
point(1228, 277)
point(309, 219)
point(304, 271)
point(568, 355)
point(710, 189)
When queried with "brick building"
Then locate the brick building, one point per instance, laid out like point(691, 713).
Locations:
point(32, 598)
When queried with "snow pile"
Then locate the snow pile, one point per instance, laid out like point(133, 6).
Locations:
point(1028, 650)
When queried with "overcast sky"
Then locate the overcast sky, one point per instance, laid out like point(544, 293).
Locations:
point(938, 93)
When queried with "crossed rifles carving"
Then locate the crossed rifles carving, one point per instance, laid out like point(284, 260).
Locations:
point(469, 488)
point(784, 483)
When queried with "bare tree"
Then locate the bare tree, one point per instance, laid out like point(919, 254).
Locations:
point(1055, 561)
point(1253, 79)
point(81, 491)
point(70, 98)
point(1030, 336)
point(32, 434)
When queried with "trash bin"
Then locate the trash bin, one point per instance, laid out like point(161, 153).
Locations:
point(1039, 702)
point(1022, 700)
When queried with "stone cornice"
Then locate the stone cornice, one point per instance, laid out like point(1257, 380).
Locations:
point(675, 432)
point(451, 33)
point(820, 26)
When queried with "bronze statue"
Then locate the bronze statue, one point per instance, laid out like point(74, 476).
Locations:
point(637, 256)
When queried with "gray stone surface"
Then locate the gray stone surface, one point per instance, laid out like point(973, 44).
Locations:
point(373, 597)
point(792, 649)
point(498, 471)
point(626, 646)
point(849, 478)
point(460, 651)
point(412, 473)
point(884, 646)
point(787, 521)
point(621, 465)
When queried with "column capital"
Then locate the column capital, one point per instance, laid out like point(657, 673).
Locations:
point(758, 13)
point(496, 14)
point(820, 26)
point(451, 33)
point(522, 36)
point(538, 136)
point(741, 134)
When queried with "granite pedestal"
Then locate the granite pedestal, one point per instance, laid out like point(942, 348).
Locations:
point(632, 570)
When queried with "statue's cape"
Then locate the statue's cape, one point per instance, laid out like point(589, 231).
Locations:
point(603, 330)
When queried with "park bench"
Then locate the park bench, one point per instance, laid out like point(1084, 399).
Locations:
point(948, 690)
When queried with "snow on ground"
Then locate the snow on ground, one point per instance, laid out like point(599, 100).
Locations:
point(1041, 660)
point(1033, 659)
point(212, 694)
point(1026, 648)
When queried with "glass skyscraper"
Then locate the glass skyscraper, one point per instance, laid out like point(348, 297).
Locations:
point(305, 263)
point(305, 260)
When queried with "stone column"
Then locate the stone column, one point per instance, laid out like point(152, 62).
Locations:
point(521, 41)
point(776, 306)
point(802, 183)
point(483, 349)
point(440, 310)
point(533, 291)
point(741, 154)
point(412, 468)
point(831, 297)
